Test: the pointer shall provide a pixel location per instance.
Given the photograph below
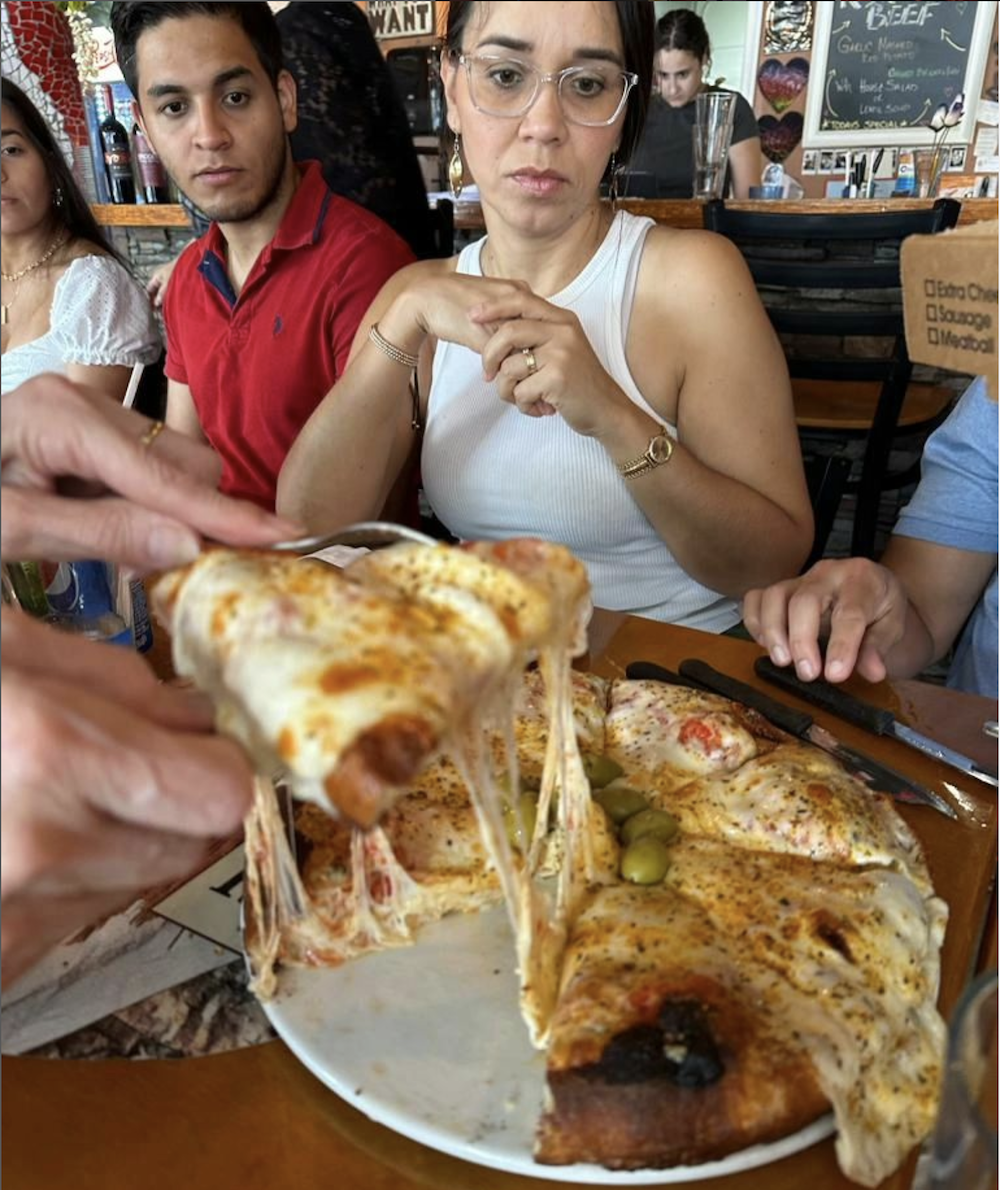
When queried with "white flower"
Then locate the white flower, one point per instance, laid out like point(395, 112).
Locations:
point(955, 112)
point(936, 122)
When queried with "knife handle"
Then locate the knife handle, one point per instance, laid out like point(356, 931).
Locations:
point(649, 671)
point(829, 698)
point(785, 717)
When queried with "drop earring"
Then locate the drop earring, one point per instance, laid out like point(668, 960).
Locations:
point(613, 194)
point(456, 170)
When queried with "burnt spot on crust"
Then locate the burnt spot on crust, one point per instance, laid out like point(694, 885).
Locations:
point(679, 1047)
point(632, 1056)
point(689, 1046)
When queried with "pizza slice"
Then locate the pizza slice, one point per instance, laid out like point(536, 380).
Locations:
point(798, 799)
point(666, 735)
point(350, 682)
point(660, 1053)
point(849, 958)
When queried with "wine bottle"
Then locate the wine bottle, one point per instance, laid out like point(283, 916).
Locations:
point(152, 175)
point(117, 153)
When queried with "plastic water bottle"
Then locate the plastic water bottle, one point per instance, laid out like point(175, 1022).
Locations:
point(142, 629)
point(81, 599)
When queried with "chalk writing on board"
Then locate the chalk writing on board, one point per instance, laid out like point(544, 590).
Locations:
point(889, 65)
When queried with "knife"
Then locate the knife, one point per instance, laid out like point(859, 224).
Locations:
point(863, 714)
point(800, 723)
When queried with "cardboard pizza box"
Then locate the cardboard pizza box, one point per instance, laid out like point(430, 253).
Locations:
point(950, 299)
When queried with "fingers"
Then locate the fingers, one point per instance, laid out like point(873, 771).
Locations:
point(48, 894)
point(786, 619)
point(859, 604)
point(53, 429)
point(81, 753)
point(33, 648)
point(36, 525)
point(154, 291)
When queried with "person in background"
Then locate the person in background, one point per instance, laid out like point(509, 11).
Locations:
point(936, 583)
point(69, 303)
point(681, 65)
point(104, 773)
point(262, 310)
point(585, 375)
point(350, 119)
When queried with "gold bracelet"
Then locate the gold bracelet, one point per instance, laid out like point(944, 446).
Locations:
point(396, 354)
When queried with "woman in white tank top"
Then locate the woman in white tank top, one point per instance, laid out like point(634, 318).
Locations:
point(587, 377)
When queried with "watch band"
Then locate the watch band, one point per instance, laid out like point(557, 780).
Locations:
point(658, 452)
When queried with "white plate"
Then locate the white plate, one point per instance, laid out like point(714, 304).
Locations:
point(428, 1041)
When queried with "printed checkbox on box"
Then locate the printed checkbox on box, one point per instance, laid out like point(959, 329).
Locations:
point(932, 334)
point(931, 312)
point(930, 287)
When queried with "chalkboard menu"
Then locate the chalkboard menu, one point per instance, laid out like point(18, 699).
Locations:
point(881, 67)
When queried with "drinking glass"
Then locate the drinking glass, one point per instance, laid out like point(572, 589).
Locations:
point(712, 132)
point(927, 165)
point(961, 1152)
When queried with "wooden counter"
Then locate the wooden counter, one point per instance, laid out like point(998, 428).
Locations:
point(257, 1119)
point(673, 212)
point(687, 213)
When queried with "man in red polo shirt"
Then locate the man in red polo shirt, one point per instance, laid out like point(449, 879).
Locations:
point(261, 312)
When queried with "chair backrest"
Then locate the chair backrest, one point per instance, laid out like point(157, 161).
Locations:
point(831, 287)
point(808, 255)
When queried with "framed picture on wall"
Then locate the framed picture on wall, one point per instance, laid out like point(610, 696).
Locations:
point(879, 71)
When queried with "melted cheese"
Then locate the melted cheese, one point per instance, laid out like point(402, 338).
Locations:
point(792, 885)
point(849, 958)
point(797, 799)
point(667, 734)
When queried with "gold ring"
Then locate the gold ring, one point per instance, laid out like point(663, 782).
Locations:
point(529, 359)
point(151, 434)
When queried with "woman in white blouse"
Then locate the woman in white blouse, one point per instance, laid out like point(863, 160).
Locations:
point(69, 304)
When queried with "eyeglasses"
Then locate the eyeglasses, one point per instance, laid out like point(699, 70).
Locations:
point(589, 95)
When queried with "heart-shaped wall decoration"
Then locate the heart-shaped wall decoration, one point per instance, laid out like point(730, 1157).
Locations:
point(779, 137)
point(781, 82)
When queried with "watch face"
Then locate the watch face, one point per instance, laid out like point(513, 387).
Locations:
point(660, 449)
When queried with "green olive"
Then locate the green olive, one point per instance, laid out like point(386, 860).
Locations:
point(645, 861)
point(520, 825)
point(651, 824)
point(620, 802)
point(600, 770)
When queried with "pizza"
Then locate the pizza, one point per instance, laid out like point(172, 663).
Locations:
point(720, 934)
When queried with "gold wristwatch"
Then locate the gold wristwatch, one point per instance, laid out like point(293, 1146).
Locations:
point(658, 452)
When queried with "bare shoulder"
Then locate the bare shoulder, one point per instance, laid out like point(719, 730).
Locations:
point(696, 261)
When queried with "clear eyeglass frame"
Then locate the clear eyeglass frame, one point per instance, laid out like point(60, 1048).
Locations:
point(558, 77)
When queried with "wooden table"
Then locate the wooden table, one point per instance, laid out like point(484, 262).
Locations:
point(257, 1120)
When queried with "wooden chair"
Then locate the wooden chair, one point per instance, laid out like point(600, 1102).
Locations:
point(831, 286)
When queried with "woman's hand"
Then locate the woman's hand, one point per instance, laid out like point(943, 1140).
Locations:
point(543, 362)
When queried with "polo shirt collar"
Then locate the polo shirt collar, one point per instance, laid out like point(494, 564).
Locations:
point(301, 225)
point(303, 221)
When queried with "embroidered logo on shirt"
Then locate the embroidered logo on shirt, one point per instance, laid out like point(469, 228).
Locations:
point(279, 326)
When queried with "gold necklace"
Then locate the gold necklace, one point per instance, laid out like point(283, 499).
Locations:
point(49, 252)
